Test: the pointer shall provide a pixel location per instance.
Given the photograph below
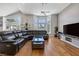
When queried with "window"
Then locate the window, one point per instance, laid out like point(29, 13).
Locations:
point(42, 22)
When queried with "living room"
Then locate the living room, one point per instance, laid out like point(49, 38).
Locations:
point(39, 29)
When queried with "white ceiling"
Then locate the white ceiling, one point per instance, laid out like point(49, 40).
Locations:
point(31, 8)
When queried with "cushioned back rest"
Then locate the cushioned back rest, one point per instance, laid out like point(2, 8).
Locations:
point(0, 38)
point(24, 33)
point(19, 33)
point(36, 32)
point(7, 36)
point(16, 34)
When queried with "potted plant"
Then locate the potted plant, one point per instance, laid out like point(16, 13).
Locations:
point(56, 31)
point(26, 26)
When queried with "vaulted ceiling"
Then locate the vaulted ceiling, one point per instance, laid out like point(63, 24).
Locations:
point(32, 8)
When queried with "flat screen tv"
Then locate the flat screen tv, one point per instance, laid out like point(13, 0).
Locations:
point(71, 29)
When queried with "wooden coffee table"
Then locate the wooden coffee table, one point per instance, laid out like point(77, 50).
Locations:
point(37, 42)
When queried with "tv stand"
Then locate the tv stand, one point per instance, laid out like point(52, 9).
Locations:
point(70, 39)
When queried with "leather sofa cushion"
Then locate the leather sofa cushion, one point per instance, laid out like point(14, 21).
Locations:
point(27, 36)
point(8, 37)
point(0, 38)
point(19, 40)
point(20, 34)
point(7, 49)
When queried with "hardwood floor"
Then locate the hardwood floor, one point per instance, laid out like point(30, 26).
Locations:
point(53, 47)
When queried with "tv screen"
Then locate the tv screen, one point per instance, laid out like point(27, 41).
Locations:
point(71, 29)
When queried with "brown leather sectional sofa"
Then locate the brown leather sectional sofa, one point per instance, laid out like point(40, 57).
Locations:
point(12, 41)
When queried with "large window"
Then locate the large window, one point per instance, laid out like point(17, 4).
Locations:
point(42, 22)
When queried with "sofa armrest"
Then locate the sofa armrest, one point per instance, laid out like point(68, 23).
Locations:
point(7, 41)
point(46, 37)
point(7, 48)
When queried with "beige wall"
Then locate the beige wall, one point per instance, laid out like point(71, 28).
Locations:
point(68, 15)
point(27, 18)
point(1, 22)
point(53, 23)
